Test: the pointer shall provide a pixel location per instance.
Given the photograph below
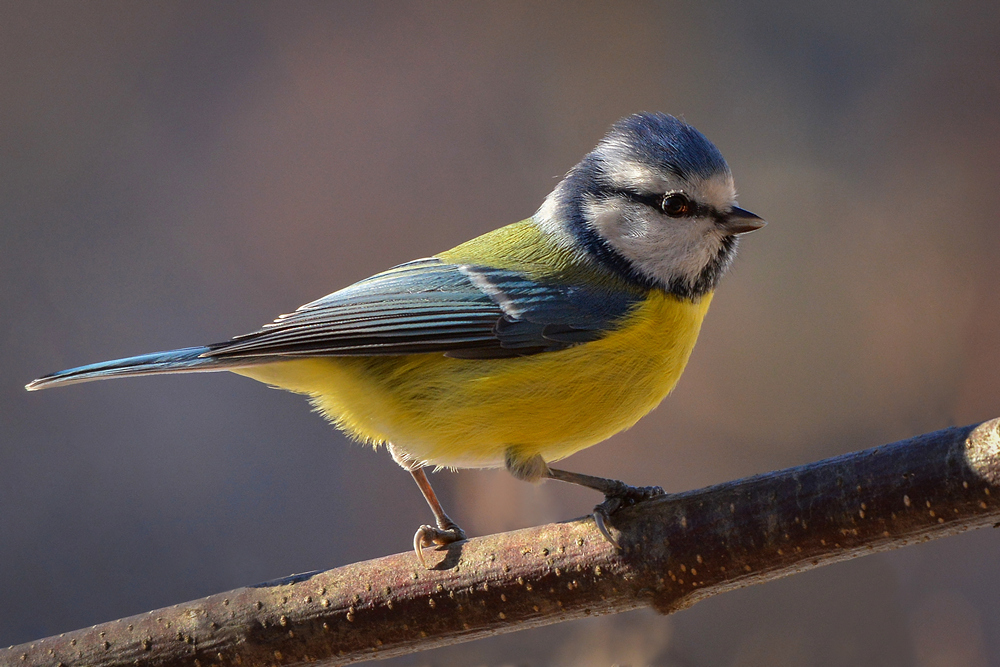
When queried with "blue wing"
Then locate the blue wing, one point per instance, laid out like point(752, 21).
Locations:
point(432, 306)
point(423, 306)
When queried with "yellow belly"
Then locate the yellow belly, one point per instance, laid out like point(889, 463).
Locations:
point(469, 412)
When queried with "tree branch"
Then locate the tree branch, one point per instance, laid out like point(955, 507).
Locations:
point(675, 551)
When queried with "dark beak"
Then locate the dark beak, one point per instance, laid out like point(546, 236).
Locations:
point(737, 221)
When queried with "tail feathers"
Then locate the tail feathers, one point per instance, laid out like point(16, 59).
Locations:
point(186, 360)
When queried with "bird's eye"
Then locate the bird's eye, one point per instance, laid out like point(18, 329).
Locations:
point(676, 205)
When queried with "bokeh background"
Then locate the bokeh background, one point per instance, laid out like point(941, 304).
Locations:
point(177, 173)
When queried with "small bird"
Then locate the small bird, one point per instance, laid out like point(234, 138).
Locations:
point(519, 347)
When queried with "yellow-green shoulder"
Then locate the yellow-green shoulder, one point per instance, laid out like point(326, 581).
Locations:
point(526, 248)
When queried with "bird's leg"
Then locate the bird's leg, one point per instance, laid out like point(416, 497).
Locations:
point(446, 531)
point(616, 494)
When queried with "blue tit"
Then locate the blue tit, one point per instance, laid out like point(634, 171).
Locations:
point(519, 347)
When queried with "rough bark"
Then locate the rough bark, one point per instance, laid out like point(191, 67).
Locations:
point(675, 551)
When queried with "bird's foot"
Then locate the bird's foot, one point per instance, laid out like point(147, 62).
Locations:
point(619, 496)
point(446, 532)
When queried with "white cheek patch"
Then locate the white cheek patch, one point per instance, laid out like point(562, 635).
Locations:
point(662, 248)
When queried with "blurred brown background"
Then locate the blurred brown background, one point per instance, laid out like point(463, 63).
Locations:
point(176, 173)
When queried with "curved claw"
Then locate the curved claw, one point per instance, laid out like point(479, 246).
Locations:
point(429, 536)
point(623, 497)
point(602, 528)
point(418, 545)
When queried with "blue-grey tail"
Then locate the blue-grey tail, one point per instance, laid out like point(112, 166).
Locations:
point(186, 360)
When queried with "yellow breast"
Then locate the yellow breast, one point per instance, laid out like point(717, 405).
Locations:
point(468, 412)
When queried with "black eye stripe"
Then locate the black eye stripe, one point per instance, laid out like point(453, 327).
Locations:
point(656, 202)
point(652, 201)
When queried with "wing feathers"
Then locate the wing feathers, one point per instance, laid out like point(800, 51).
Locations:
point(428, 305)
point(432, 306)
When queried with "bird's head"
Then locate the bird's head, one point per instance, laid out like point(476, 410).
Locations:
point(654, 203)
